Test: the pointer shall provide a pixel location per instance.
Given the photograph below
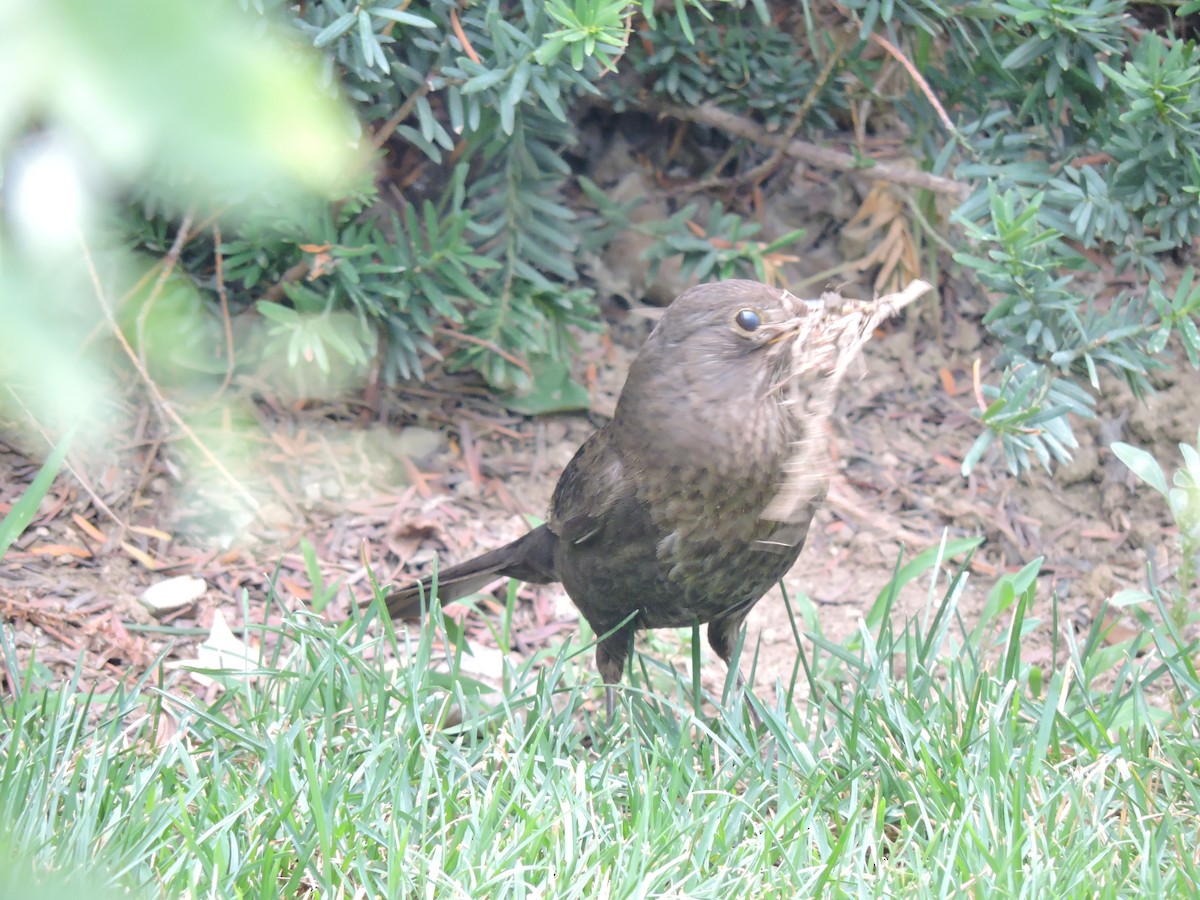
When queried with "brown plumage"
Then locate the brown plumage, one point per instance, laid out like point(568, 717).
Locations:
point(660, 511)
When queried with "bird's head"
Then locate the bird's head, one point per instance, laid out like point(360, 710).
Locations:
point(734, 330)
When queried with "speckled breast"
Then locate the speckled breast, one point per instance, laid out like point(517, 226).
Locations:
point(717, 554)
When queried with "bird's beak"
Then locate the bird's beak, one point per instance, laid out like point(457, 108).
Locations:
point(799, 311)
point(786, 330)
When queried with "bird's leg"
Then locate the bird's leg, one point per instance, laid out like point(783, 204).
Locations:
point(722, 637)
point(611, 653)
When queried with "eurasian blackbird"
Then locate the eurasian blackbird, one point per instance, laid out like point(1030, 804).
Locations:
point(659, 513)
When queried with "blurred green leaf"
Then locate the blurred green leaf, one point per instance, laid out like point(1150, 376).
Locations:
point(200, 94)
point(553, 390)
point(23, 511)
point(1141, 464)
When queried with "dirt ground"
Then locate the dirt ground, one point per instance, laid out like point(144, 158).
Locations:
point(443, 468)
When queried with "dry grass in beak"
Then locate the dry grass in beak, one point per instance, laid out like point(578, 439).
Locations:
point(828, 339)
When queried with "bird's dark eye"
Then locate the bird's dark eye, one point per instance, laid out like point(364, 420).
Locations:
point(748, 319)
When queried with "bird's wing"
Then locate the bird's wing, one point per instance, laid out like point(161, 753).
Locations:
point(594, 486)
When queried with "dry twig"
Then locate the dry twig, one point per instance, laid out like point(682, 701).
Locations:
point(821, 157)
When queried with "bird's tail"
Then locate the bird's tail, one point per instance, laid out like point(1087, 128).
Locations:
point(529, 558)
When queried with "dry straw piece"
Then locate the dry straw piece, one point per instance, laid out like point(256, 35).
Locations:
point(834, 332)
